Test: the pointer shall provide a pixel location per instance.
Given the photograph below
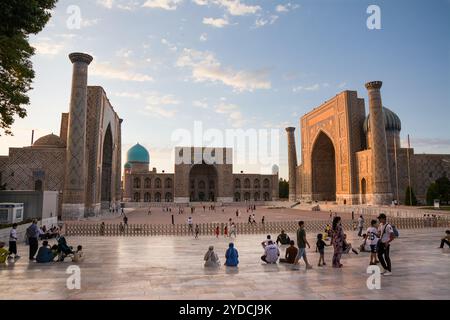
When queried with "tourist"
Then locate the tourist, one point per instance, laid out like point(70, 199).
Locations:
point(249, 219)
point(253, 218)
point(263, 220)
point(360, 225)
point(237, 213)
point(328, 232)
point(291, 253)
point(225, 231)
point(233, 229)
point(45, 254)
point(13, 241)
point(125, 220)
point(121, 227)
point(32, 235)
point(386, 234)
point(102, 229)
point(217, 232)
point(211, 258)
point(149, 211)
point(365, 245)
point(338, 242)
point(320, 247)
point(445, 240)
point(302, 242)
point(190, 223)
point(372, 240)
point(348, 246)
point(231, 256)
point(3, 253)
point(197, 231)
point(78, 256)
point(353, 215)
point(265, 242)
point(271, 253)
point(283, 238)
point(63, 249)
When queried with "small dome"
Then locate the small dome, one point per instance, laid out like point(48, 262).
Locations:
point(391, 120)
point(138, 153)
point(275, 169)
point(49, 141)
point(127, 165)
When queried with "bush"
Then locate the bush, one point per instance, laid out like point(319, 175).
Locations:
point(410, 197)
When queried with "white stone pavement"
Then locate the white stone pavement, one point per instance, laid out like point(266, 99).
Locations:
point(172, 268)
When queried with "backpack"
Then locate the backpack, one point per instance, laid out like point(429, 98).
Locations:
point(29, 233)
point(395, 230)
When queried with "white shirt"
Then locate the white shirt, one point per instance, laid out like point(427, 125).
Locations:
point(372, 236)
point(360, 222)
point(385, 232)
point(189, 221)
point(13, 235)
point(272, 252)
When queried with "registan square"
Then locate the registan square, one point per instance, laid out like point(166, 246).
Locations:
point(224, 150)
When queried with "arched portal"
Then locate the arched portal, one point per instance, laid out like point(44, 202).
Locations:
point(38, 185)
point(363, 191)
point(323, 169)
point(107, 168)
point(203, 179)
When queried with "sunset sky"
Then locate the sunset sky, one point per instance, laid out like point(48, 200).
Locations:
point(242, 64)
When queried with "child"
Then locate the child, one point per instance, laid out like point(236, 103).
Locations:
point(372, 239)
point(13, 241)
point(3, 253)
point(320, 246)
point(217, 232)
point(78, 256)
point(197, 231)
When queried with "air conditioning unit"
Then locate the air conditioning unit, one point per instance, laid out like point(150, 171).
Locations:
point(11, 213)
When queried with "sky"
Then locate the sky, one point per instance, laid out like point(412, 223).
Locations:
point(169, 66)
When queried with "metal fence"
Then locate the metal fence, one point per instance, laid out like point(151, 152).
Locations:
point(143, 230)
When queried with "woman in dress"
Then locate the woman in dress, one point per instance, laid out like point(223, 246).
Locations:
point(211, 258)
point(337, 241)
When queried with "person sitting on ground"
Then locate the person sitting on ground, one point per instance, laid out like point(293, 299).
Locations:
point(266, 242)
point(445, 240)
point(291, 253)
point(78, 256)
point(63, 249)
point(45, 254)
point(365, 245)
point(4, 253)
point(231, 256)
point(283, 238)
point(211, 258)
point(348, 246)
point(271, 253)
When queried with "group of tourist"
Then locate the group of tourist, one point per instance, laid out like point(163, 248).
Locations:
point(43, 254)
point(231, 257)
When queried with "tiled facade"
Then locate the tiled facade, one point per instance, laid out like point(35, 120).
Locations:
point(343, 162)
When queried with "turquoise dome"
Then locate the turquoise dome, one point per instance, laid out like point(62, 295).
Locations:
point(138, 154)
point(127, 165)
point(391, 121)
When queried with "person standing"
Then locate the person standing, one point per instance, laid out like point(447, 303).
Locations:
point(197, 231)
point(302, 242)
point(13, 241)
point(125, 220)
point(338, 242)
point(360, 225)
point(217, 232)
point(190, 223)
point(372, 238)
point(386, 234)
point(233, 229)
point(33, 236)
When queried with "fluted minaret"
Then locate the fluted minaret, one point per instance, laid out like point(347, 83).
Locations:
point(292, 164)
point(382, 193)
point(74, 184)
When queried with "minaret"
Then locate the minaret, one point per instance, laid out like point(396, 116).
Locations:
point(382, 193)
point(292, 164)
point(73, 207)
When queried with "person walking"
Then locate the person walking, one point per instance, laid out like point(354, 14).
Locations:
point(386, 234)
point(32, 235)
point(338, 242)
point(302, 242)
point(125, 220)
point(445, 240)
point(217, 232)
point(190, 223)
point(197, 231)
point(233, 229)
point(360, 225)
point(13, 241)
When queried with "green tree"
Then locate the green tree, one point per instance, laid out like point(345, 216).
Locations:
point(410, 197)
point(443, 186)
point(283, 189)
point(432, 193)
point(19, 19)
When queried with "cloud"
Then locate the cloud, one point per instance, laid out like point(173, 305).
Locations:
point(287, 7)
point(108, 4)
point(169, 45)
point(200, 104)
point(261, 22)
point(201, 2)
point(48, 47)
point(158, 105)
point(162, 4)
point(314, 87)
point(342, 85)
point(159, 112)
point(128, 5)
point(233, 113)
point(428, 143)
point(217, 23)
point(106, 70)
point(131, 95)
point(233, 7)
point(89, 22)
point(203, 37)
point(205, 67)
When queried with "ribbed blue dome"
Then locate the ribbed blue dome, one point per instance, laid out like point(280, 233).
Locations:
point(138, 154)
point(391, 120)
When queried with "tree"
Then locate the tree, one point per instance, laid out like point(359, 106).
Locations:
point(19, 19)
point(432, 194)
point(410, 197)
point(443, 186)
point(283, 188)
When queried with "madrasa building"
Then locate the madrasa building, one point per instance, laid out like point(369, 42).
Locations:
point(83, 162)
point(350, 158)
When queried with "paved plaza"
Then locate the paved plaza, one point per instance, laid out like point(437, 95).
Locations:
point(172, 268)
